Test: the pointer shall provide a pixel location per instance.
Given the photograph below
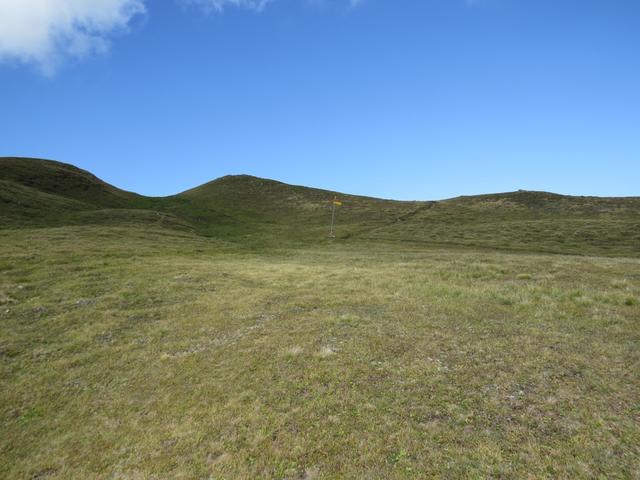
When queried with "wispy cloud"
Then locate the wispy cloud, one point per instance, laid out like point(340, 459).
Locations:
point(45, 33)
point(219, 5)
point(255, 5)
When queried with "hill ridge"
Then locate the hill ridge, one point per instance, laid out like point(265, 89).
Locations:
point(249, 209)
point(248, 176)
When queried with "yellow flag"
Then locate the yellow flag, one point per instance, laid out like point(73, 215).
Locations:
point(336, 202)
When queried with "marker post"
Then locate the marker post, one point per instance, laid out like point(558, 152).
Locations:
point(335, 203)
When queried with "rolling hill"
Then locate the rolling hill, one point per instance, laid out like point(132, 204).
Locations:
point(242, 208)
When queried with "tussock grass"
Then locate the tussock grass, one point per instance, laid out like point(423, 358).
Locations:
point(152, 353)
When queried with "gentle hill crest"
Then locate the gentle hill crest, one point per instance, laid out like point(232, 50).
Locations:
point(64, 180)
point(244, 208)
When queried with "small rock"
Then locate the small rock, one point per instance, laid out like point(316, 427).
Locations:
point(311, 473)
point(326, 352)
point(83, 302)
point(106, 337)
point(169, 443)
point(6, 299)
point(42, 474)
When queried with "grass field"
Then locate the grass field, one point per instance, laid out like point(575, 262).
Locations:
point(153, 353)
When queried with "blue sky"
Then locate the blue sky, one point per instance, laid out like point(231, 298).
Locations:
point(407, 99)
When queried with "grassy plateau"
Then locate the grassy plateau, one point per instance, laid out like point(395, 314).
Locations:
point(218, 334)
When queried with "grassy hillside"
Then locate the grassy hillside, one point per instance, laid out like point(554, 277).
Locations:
point(523, 220)
point(260, 212)
point(46, 193)
point(274, 209)
point(66, 181)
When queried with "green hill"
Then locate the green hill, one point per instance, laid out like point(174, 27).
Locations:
point(277, 210)
point(65, 181)
point(39, 193)
point(246, 209)
point(523, 220)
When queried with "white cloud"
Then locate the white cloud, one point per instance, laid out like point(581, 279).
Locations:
point(44, 32)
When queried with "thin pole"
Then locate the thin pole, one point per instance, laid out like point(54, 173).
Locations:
point(333, 219)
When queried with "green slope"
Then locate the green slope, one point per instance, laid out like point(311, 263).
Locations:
point(66, 181)
point(259, 212)
point(523, 220)
point(277, 210)
point(40, 193)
